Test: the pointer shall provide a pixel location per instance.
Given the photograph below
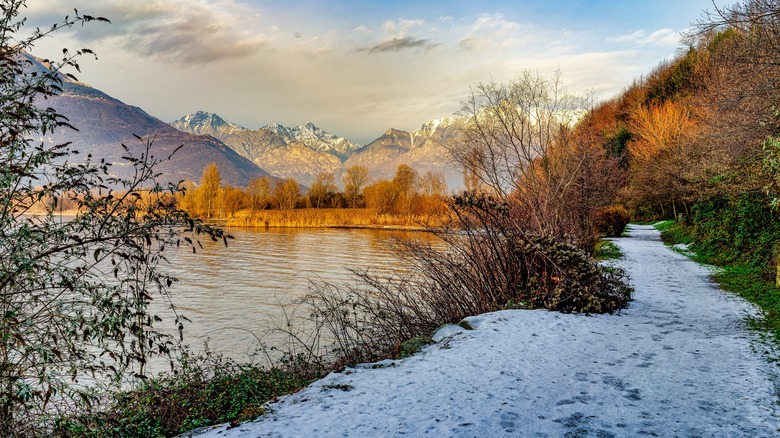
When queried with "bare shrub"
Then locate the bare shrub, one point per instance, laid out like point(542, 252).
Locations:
point(518, 239)
point(486, 263)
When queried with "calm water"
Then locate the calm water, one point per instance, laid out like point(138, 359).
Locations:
point(233, 294)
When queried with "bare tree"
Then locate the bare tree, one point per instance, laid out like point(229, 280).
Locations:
point(515, 141)
point(323, 185)
point(355, 179)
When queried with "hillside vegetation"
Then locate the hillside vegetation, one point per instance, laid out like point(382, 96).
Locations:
point(698, 138)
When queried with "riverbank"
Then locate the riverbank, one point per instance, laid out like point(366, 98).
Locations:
point(678, 362)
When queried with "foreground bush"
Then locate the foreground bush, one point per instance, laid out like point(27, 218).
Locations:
point(76, 294)
point(579, 285)
point(204, 391)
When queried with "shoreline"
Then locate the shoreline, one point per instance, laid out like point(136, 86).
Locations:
point(604, 375)
point(409, 228)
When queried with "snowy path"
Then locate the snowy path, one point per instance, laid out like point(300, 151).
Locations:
point(678, 362)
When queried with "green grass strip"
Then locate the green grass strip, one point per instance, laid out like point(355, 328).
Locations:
point(607, 250)
point(753, 283)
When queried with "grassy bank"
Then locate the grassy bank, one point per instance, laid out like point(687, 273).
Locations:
point(750, 278)
point(202, 392)
point(607, 250)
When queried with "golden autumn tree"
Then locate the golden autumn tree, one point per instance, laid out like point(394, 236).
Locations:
point(381, 197)
point(286, 194)
point(322, 187)
point(663, 138)
point(208, 192)
point(186, 199)
point(432, 194)
point(233, 200)
point(405, 187)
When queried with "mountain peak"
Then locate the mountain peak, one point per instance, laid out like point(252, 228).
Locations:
point(438, 123)
point(206, 123)
point(315, 138)
point(393, 132)
point(279, 129)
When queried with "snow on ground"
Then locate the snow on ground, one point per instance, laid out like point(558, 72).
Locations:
point(678, 362)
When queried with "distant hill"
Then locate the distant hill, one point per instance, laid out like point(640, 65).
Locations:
point(105, 123)
point(303, 151)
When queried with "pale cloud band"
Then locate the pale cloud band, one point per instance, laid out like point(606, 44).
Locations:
point(660, 37)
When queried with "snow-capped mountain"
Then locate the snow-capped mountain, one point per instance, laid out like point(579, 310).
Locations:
point(301, 152)
point(434, 128)
point(423, 149)
point(205, 123)
point(315, 138)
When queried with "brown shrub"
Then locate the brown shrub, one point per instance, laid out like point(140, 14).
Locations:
point(611, 221)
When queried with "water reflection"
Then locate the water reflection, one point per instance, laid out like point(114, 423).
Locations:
point(233, 294)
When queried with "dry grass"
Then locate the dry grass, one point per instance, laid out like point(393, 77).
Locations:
point(330, 217)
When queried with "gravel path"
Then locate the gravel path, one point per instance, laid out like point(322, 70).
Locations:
point(678, 362)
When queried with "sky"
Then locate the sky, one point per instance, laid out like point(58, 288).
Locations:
point(355, 68)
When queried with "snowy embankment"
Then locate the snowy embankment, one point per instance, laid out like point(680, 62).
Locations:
point(677, 362)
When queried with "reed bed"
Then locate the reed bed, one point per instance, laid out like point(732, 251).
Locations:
point(331, 217)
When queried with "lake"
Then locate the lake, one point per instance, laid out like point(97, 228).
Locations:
point(234, 294)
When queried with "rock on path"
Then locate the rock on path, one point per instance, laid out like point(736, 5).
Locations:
point(677, 362)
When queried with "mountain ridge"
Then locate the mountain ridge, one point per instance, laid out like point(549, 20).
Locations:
point(281, 150)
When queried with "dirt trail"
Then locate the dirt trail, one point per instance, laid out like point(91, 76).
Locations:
point(678, 362)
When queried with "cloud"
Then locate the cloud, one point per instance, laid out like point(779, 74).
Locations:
point(401, 28)
point(401, 35)
point(185, 32)
point(628, 38)
point(660, 37)
point(399, 44)
point(492, 30)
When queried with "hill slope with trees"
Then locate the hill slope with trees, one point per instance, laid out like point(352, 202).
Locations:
point(698, 140)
